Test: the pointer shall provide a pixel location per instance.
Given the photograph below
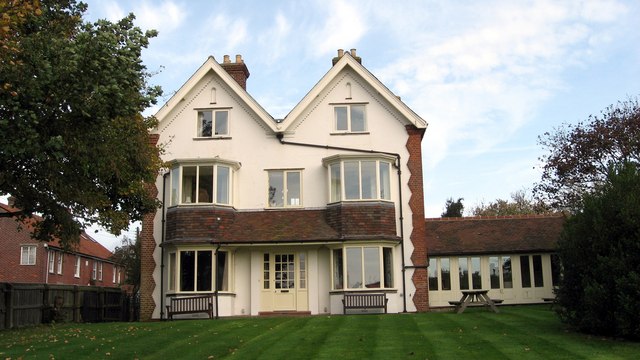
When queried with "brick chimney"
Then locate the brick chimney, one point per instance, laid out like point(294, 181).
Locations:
point(352, 52)
point(238, 70)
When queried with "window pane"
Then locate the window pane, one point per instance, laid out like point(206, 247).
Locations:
point(525, 272)
point(357, 118)
point(265, 270)
point(494, 272)
point(476, 277)
point(387, 258)
point(204, 123)
point(372, 267)
point(338, 269)
point(433, 274)
point(222, 185)
point(303, 271)
point(205, 184)
point(463, 270)
point(385, 181)
point(352, 180)
point(336, 183)
point(204, 274)
point(172, 271)
point(293, 188)
point(187, 270)
point(445, 272)
point(276, 188)
point(222, 271)
point(175, 183)
point(369, 187)
point(507, 281)
point(341, 118)
point(538, 279)
point(189, 184)
point(222, 122)
point(354, 268)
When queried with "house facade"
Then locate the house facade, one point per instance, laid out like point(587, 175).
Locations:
point(286, 215)
point(514, 257)
point(25, 260)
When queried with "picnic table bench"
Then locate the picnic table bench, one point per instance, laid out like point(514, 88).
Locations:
point(475, 298)
point(190, 305)
point(364, 301)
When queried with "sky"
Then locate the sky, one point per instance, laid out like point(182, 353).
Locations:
point(488, 76)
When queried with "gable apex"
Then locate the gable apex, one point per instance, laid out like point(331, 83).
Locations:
point(228, 79)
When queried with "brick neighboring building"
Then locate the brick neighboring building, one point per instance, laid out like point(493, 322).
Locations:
point(25, 260)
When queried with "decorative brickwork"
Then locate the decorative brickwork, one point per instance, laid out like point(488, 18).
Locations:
point(147, 262)
point(416, 203)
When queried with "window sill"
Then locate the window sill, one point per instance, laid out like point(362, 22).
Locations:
point(222, 137)
point(349, 133)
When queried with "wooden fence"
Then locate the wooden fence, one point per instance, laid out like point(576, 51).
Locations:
point(32, 304)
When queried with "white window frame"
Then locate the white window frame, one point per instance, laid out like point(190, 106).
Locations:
point(214, 120)
point(76, 272)
point(349, 108)
point(383, 186)
point(94, 272)
point(175, 272)
point(345, 268)
point(60, 262)
point(285, 190)
point(28, 254)
point(99, 270)
point(114, 273)
point(177, 186)
point(52, 261)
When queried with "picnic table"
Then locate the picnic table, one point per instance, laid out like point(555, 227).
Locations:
point(475, 298)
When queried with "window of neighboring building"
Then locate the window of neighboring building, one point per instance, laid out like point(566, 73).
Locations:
point(52, 261)
point(201, 184)
point(359, 179)
point(114, 273)
point(350, 118)
point(28, 255)
point(212, 123)
point(285, 188)
point(76, 270)
point(100, 271)
point(366, 267)
point(60, 262)
point(196, 270)
point(94, 272)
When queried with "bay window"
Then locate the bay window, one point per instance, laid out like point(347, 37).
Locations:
point(202, 183)
point(365, 267)
point(193, 270)
point(356, 178)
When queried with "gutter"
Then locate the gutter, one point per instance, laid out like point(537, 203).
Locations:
point(280, 137)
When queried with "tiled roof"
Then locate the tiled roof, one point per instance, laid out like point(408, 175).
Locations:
point(483, 235)
point(86, 246)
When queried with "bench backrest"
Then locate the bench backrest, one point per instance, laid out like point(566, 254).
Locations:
point(190, 303)
point(365, 300)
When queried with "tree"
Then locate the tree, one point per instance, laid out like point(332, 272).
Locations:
point(128, 256)
point(75, 146)
point(520, 204)
point(579, 156)
point(453, 208)
point(600, 253)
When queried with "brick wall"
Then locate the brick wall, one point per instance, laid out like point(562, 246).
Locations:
point(362, 218)
point(416, 203)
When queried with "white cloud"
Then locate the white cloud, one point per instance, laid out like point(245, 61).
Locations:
point(165, 17)
point(343, 26)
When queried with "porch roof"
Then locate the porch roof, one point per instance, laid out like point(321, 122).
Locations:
point(493, 235)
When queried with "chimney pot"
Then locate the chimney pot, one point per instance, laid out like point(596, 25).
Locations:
point(239, 59)
point(11, 201)
point(226, 59)
point(353, 53)
point(340, 53)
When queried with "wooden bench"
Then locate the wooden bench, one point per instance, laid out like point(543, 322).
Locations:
point(190, 305)
point(364, 301)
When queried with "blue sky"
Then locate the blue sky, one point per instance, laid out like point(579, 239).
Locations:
point(488, 76)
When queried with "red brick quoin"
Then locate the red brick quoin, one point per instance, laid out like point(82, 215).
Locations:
point(148, 247)
point(416, 203)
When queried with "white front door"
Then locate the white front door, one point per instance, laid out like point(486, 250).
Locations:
point(284, 281)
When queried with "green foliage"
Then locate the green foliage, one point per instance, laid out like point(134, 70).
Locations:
point(520, 204)
point(579, 156)
point(453, 208)
point(128, 255)
point(600, 253)
point(518, 332)
point(75, 146)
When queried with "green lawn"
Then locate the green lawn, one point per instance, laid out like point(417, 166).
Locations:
point(522, 332)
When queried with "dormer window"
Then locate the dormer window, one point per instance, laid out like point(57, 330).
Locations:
point(213, 123)
point(353, 178)
point(350, 118)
